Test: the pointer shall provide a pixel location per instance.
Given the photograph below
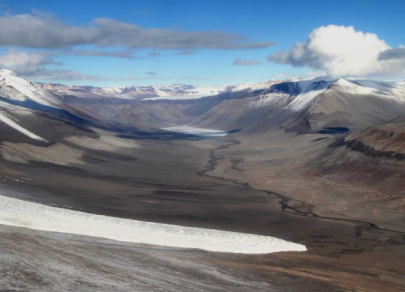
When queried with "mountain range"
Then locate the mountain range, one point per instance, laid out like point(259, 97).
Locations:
point(321, 104)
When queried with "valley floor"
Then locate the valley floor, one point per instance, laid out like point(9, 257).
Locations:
point(211, 183)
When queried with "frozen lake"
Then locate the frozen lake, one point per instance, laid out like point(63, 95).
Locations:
point(196, 131)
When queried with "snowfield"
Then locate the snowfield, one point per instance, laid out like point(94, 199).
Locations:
point(15, 212)
point(196, 131)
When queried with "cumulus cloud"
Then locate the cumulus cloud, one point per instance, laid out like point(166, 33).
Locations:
point(24, 62)
point(32, 65)
point(392, 54)
point(39, 30)
point(242, 62)
point(340, 50)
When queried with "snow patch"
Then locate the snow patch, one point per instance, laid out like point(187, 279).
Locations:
point(20, 213)
point(310, 89)
point(384, 89)
point(16, 126)
point(258, 86)
point(269, 99)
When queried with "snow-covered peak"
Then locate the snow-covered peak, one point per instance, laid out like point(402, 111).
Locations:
point(303, 94)
point(309, 91)
point(15, 87)
point(6, 72)
point(258, 86)
point(387, 89)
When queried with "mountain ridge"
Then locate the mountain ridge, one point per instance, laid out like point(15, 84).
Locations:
point(302, 105)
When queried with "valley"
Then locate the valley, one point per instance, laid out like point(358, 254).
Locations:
point(259, 160)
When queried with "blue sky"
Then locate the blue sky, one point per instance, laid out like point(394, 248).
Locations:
point(281, 22)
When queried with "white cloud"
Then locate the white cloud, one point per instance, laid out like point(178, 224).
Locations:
point(24, 62)
point(32, 65)
point(340, 50)
point(315, 73)
point(41, 30)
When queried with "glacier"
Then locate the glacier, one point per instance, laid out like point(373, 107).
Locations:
point(19, 213)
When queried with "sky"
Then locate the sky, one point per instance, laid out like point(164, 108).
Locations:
point(109, 43)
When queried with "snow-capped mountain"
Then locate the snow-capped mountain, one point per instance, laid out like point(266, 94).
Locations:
point(17, 88)
point(257, 86)
point(311, 104)
point(318, 104)
point(150, 92)
point(304, 93)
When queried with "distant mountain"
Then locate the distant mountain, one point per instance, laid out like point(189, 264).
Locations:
point(326, 105)
point(319, 104)
point(150, 92)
